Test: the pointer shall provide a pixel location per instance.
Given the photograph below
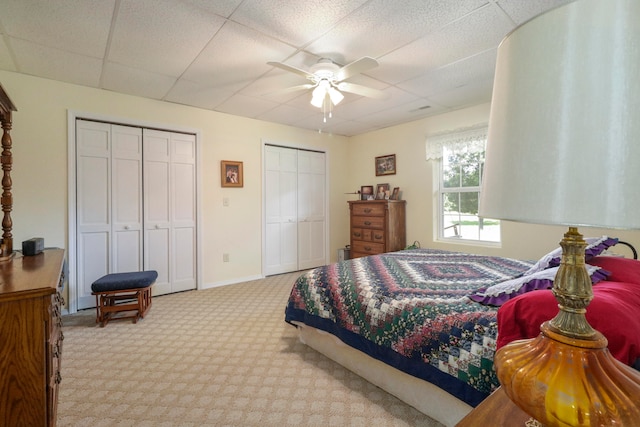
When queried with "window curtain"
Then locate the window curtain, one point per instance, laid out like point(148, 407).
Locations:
point(471, 139)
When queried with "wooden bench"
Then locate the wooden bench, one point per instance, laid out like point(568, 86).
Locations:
point(123, 295)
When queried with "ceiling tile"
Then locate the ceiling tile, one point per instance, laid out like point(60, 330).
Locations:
point(521, 11)
point(246, 106)
point(293, 21)
point(220, 7)
point(284, 114)
point(55, 64)
point(381, 26)
point(200, 95)
point(476, 32)
point(478, 67)
point(6, 62)
point(154, 35)
point(473, 93)
point(135, 81)
point(76, 26)
point(237, 54)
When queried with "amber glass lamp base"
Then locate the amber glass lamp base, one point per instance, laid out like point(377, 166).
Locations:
point(566, 376)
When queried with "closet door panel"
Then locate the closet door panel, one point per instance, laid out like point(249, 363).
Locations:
point(157, 258)
point(183, 266)
point(126, 196)
point(93, 250)
point(311, 209)
point(93, 210)
point(183, 212)
point(170, 206)
point(281, 246)
point(157, 240)
point(94, 192)
point(184, 200)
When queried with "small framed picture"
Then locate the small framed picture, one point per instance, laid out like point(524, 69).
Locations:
point(386, 165)
point(231, 173)
point(396, 194)
point(366, 192)
point(382, 191)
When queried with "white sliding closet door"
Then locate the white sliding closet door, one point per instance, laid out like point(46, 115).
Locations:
point(109, 210)
point(311, 209)
point(170, 209)
point(295, 195)
point(136, 206)
point(281, 203)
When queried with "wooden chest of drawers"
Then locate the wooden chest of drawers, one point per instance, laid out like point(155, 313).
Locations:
point(377, 226)
point(30, 338)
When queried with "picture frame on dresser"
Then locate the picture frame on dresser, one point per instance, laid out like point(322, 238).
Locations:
point(386, 165)
point(395, 195)
point(366, 192)
point(382, 191)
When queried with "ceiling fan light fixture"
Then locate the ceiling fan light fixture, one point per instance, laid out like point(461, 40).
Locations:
point(335, 95)
point(318, 95)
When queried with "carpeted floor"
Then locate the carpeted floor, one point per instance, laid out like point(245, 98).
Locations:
point(218, 357)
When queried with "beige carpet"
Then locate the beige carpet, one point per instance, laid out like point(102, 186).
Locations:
point(218, 357)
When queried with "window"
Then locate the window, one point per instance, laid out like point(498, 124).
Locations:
point(461, 156)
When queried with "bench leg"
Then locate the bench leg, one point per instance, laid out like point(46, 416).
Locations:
point(110, 303)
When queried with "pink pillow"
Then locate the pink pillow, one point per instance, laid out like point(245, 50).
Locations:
point(621, 269)
point(613, 311)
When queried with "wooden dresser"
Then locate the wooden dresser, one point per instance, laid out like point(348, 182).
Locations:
point(30, 338)
point(377, 226)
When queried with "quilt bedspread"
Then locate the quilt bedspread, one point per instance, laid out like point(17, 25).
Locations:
point(410, 310)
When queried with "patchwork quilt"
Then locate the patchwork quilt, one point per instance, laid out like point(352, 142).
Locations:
point(410, 309)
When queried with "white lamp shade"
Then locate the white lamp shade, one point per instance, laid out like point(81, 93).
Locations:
point(564, 131)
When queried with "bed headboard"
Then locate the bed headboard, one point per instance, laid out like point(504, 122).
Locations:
point(6, 200)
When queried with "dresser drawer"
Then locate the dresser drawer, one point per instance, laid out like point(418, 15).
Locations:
point(368, 248)
point(364, 209)
point(367, 222)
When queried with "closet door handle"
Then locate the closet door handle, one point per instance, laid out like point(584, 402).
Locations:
point(126, 227)
point(157, 227)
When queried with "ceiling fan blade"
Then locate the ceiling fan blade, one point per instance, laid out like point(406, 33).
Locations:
point(292, 69)
point(362, 90)
point(356, 67)
point(291, 89)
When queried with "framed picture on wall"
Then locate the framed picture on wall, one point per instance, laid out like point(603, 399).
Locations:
point(386, 165)
point(231, 173)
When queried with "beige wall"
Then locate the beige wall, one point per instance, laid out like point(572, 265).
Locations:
point(415, 178)
point(40, 168)
point(40, 173)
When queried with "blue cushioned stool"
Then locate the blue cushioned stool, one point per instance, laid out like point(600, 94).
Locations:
point(123, 295)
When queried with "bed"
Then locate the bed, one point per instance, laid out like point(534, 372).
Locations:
point(423, 324)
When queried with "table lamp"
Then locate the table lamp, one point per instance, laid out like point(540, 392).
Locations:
point(564, 148)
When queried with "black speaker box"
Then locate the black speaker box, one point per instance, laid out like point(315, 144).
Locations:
point(32, 246)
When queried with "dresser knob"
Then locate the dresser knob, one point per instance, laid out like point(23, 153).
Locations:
point(367, 248)
point(367, 210)
point(367, 223)
point(357, 234)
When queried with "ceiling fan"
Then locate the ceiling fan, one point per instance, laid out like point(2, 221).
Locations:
point(328, 80)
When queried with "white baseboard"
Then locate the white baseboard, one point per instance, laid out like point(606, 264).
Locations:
point(231, 281)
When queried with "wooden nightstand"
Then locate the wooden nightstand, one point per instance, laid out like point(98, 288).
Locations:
point(496, 410)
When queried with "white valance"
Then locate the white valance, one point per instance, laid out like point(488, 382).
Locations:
point(470, 139)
